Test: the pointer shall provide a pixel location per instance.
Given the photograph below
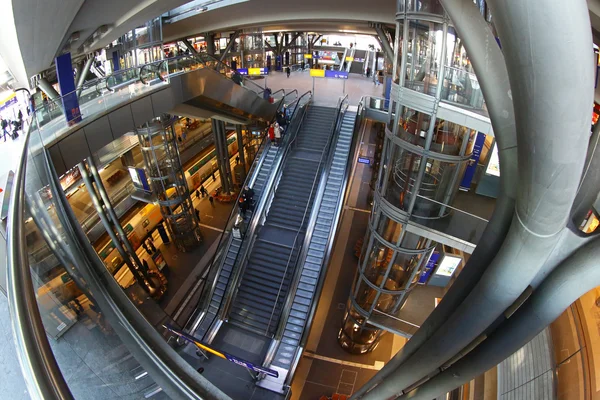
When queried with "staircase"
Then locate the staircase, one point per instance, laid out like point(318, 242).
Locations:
point(271, 263)
point(313, 264)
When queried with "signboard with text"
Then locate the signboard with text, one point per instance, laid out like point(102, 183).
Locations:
point(253, 71)
point(472, 165)
point(336, 74)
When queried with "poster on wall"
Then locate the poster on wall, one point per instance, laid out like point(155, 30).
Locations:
point(138, 177)
point(493, 167)
point(448, 265)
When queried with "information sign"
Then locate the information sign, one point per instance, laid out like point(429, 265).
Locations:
point(336, 74)
point(472, 165)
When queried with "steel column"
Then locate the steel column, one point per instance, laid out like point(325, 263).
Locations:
point(111, 211)
point(134, 269)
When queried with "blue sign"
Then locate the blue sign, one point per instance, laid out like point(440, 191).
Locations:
point(66, 83)
point(388, 90)
point(465, 184)
point(116, 62)
point(336, 74)
point(428, 270)
point(242, 71)
point(364, 160)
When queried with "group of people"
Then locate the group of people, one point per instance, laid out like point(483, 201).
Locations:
point(277, 128)
point(246, 200)
point(16, 126)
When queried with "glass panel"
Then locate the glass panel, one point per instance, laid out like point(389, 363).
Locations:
point(355, 338)
point(448, 138)
point(435, 186)
point(402, 177)
point(413, 242)
point(365, 296)
point(401, 5)
point(389, 229)
point(413, 126)
point(424, 56)
point(378, 259)
point(398, 44)
point(460, 84)
point(403, 267)
point(87, 340)
point(429, 6)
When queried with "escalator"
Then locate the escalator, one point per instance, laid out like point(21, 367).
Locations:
point(358, 64)
point(266, 279)
point(267, 164)
point(301, 302)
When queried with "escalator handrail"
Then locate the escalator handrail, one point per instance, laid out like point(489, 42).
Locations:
point(228, 68)
point(195, 319)
point(40, 370)
point(341, 102)
point(232, 282)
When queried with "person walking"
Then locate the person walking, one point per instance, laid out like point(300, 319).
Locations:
point(345, 66)
point(145, 267)
point(203, 191)
point(152, 247)
point(288, 71)
point(197, 213)
point(197, 194)
point(214, 177)
point(4, 125)
point(243, 205)
point(237, 159)
point(145, 246)
point(277, 133)
point(248, 195)
point(212, 201)
point(272, 133)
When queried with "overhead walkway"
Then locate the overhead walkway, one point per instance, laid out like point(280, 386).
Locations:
point(196, 86)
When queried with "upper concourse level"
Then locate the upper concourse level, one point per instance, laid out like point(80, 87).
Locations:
point(82, 27)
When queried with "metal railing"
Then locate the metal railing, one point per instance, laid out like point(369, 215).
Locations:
point(40, 370)
point(103, 93)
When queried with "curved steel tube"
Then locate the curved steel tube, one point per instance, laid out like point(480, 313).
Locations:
point(42, 375)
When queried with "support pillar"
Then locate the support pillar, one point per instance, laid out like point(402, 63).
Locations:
point(222, 155)
point(48, 89)
point(83, 74)
point(210, 43)
point(140, 277)
point(111, 212)
point(240, 168)
point(189, 46)
point(158, 143)
point(389, 52)
point(232, 39)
